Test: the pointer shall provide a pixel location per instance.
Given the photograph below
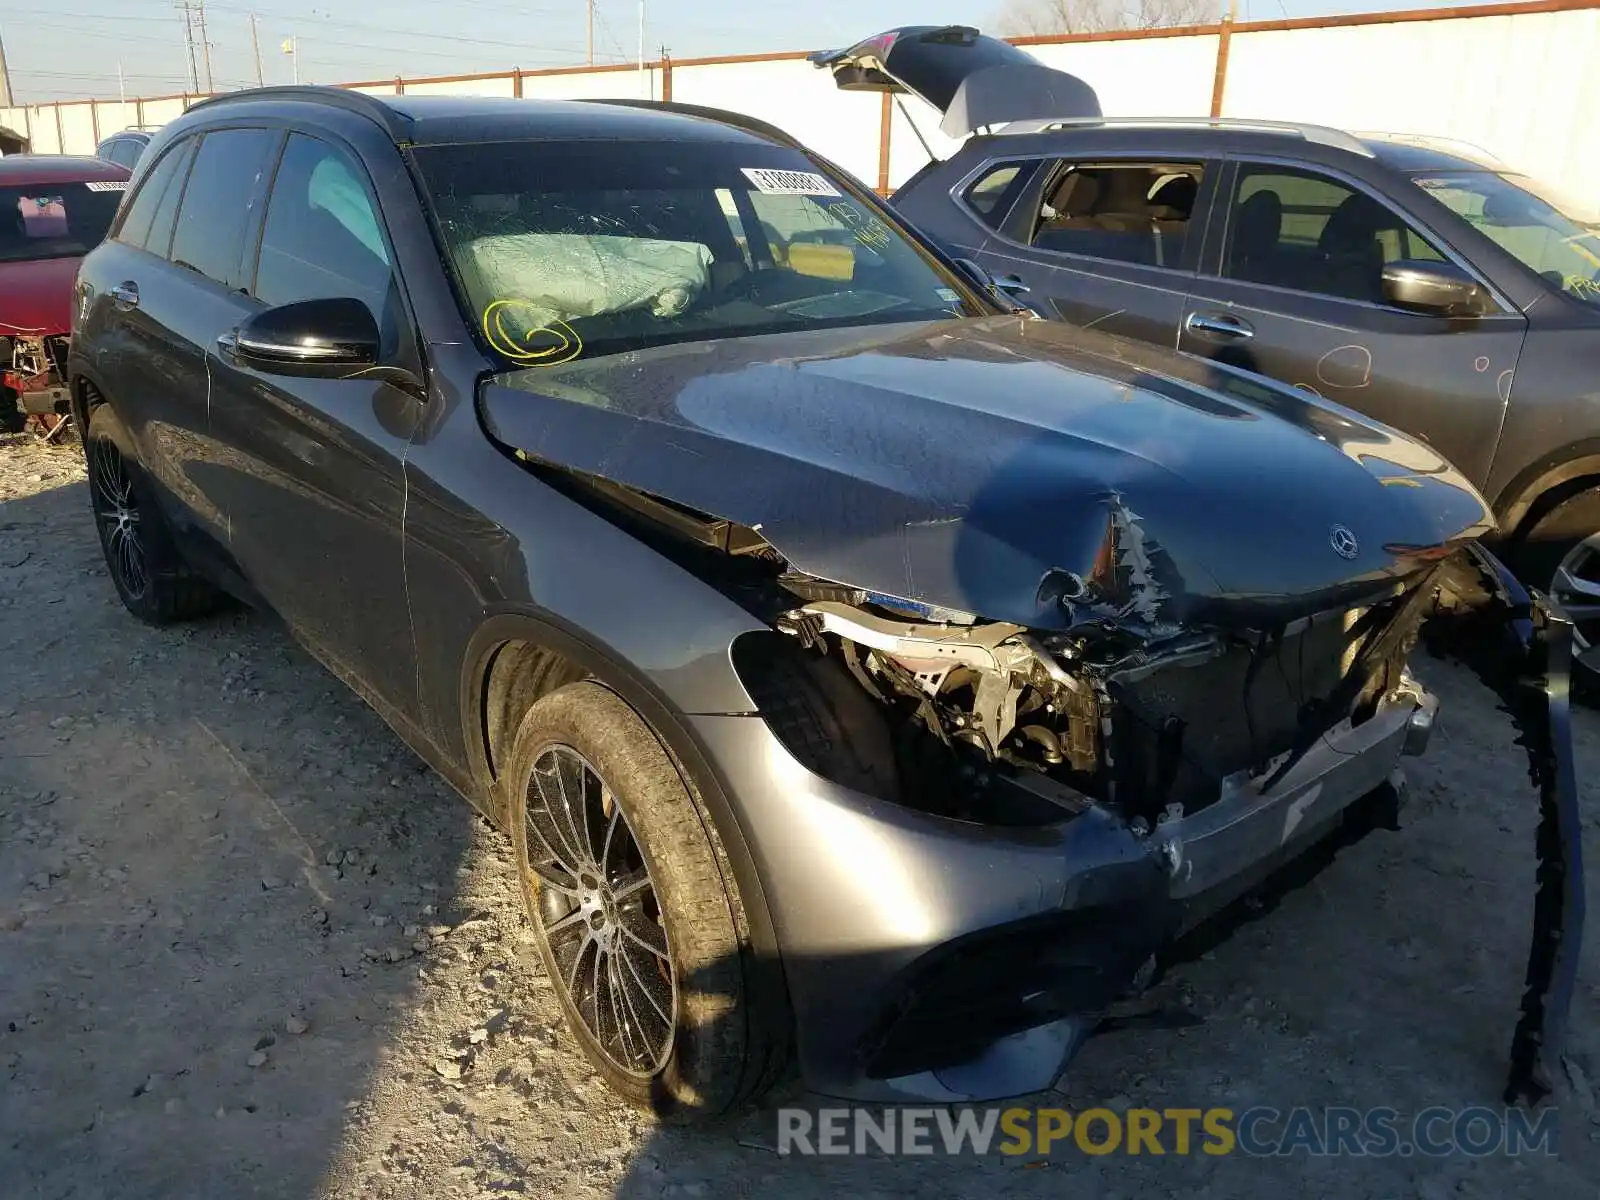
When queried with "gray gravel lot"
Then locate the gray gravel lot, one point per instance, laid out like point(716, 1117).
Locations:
point(250, 945)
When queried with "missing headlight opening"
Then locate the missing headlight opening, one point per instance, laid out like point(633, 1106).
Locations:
point(1157, 727)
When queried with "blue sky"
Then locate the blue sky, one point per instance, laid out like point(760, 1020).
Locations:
point(63, 49)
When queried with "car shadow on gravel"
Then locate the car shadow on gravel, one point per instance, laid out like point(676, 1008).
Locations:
point(219, 873)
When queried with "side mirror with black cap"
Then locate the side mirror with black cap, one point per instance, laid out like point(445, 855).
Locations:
point(324, 339)
point(1440, 288)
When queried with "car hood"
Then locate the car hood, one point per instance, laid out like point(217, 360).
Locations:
point(972, 79)
point(1017, 469)
point(36, 295)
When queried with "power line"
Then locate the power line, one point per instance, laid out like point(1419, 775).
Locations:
point(188, 41)
point(78, 32)
point(205, 43)
point(370, 30)
point(374, 30)
point(518, 10)
point(605, 27)
point(452, 55)
point(52, 12)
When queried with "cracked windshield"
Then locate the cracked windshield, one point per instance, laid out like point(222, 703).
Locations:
point(565, 251)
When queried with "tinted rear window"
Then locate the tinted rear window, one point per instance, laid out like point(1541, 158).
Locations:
point(55, 220)
point(225, 188)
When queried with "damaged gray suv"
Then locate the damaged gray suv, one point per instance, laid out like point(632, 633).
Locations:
point(867, 673)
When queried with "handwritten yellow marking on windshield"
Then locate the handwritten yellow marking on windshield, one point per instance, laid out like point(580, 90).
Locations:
point(866, 228)
point(548, 344)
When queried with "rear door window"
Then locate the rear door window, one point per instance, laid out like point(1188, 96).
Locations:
point(1132, 212)
point(220, 203)
point(148, 223)
point(323, 238)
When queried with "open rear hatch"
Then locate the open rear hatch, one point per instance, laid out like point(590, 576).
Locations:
point(974, 80)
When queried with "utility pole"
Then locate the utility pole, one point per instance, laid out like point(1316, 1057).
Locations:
point(589, 12)
point(5, 76)
point(255, 42)
point(205, 43)
point(291, 47)
point(122, 85)
point(188, 40)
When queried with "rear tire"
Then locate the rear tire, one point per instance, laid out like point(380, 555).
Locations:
point(637, 917)
point(144, 563)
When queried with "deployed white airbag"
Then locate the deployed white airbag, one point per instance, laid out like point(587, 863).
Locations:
point(558, 276)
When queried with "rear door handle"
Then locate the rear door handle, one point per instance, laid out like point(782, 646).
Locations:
point(1219, 326)
point(125, 295)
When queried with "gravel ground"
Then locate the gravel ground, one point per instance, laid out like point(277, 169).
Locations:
point(249, 944)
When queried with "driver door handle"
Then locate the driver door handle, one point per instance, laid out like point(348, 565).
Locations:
point(228, 345)
point(125, 295)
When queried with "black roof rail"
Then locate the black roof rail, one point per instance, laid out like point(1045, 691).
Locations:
point(397, 125)
point(737, 120)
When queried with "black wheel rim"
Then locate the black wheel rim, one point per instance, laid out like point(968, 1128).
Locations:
point(117, 514)
point(600, 914)
point(1576, 588)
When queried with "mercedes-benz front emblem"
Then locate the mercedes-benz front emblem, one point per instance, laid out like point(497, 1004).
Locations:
point(1343, 542)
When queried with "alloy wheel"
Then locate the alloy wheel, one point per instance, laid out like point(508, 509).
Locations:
point(1576, 588)
point(599, 912)
point(117, 513)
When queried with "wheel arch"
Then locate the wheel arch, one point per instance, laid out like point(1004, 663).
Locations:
point(514, 658)
point(1545, 484)
point(83, 397)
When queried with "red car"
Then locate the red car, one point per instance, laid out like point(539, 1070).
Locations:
point(53, 211)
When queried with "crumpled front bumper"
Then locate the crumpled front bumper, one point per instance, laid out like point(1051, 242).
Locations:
point(933, 959)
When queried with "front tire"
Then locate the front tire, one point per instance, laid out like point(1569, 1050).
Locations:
point(149, 573)
point(1561, 557)
point(639, 926)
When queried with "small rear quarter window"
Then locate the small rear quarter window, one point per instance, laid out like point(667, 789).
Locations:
point(990, 195)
